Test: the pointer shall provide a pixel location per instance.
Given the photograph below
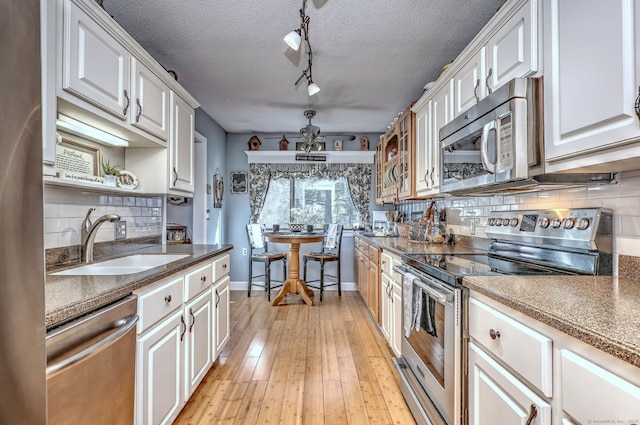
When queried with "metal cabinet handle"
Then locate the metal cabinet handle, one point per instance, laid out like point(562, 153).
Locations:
point(193, 320)
point(203, 279)
point(637, 106)
point(494, 334)
point(217, 298)
point(533, 412)
point(475, 91)
point(139, 109)
point(433, 171)
point(175, 173)
point(486, 82)
point(183, 325)
point(224, 266)
point(167, 299)
point(425, 176)
point(126, 107)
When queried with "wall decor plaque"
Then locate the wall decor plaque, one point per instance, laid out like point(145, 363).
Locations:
point(73, 158)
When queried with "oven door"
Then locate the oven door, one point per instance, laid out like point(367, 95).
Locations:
point(433, 350)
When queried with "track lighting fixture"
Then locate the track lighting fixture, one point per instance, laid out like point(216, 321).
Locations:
point(294, 39)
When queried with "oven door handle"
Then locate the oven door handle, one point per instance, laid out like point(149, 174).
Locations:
point(431, 287)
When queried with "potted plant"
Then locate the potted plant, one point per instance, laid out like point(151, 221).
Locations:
point(110, 172)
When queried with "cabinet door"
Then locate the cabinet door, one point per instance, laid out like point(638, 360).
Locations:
point(441, 114)
point(497, 397)
point(221, 305)
point(590, 392)
point(385, 306)
point(362, 274)
point(591, 83)
point(423, 154)
point(395, 326)
point(198, 342)
point(150, 101)
point(469, 83)
point(405, 125)
point(95, 66)
point(513, 51)
point(373, 290)
point(378, 163)
point(159, 382)
point(181, 145)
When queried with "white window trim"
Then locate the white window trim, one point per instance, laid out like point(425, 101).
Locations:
point(289, 157)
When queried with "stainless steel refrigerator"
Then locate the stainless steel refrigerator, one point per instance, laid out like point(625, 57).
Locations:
point(22, 330)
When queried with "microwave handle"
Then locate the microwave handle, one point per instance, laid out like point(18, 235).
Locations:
point(484, 147)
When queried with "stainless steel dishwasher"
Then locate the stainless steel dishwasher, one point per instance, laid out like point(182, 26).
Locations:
point(91, 367)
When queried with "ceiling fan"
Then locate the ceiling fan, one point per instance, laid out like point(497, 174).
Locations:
point(310, 133)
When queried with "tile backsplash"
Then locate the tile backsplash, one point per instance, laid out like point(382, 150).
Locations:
point(65, 209)
point(467, 214)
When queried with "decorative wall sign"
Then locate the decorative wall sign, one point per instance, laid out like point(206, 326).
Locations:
point(239, 182)
point(76, 159)
point(218, 189)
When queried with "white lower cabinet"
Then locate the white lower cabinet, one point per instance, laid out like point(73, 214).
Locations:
point(184, 324)
point(516, 362)
point(391, 301)
point(198, 337)
point(385, 306)
point(221, 328)
point(497, 397)
point(159, 372)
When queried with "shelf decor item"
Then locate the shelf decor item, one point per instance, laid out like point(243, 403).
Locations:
point(110, 172)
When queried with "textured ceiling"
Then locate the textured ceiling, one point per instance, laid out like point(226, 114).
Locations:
point(371, 58)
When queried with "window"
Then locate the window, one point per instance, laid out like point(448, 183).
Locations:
point(309, 201)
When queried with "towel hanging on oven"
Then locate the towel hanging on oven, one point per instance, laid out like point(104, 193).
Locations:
point(428, 316)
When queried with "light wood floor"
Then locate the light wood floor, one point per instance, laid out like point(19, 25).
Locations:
point(295, 364)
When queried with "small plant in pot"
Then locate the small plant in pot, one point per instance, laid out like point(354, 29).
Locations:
point(110, 172)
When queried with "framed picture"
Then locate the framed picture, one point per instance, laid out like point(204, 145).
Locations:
point(76, 158)
point(239, 182)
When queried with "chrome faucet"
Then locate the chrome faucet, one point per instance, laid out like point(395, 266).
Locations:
point(89, 231)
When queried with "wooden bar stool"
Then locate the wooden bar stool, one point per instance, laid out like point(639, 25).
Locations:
point(330, 253)
point(264, 256)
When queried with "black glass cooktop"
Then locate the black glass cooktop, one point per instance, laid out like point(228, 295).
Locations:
point(452, 268)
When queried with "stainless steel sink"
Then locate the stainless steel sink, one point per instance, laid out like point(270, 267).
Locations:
point(124, 265)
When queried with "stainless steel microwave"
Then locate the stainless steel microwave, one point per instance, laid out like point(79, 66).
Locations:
point(497, 146)
point(498, 140)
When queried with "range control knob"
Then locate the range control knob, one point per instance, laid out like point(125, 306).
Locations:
point(498, 222)
point(491, 221)
point(569, 222)
point(505, 221)
point(514, 222)
point(544, 222)
point(555, 223)
point(583, 223)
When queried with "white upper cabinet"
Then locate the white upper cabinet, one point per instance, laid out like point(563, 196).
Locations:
point(95, 66)
point(513, 51)
point(150, 99)
point(592, 84)
point(423, 154)
point(181, 145)
point(470, 82)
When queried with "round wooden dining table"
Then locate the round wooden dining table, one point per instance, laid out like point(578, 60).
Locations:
point(294, 285)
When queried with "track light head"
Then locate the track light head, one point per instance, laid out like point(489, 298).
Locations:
point(312, 88)
point(293, 39)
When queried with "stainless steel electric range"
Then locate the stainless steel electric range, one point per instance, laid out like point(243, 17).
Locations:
point(544, 242)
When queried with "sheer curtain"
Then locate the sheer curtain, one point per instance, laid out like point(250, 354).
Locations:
point(358, 176)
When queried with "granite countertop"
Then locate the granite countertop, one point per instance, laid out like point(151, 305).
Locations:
point(67, 297)
point(601, 311)
point(400, 246)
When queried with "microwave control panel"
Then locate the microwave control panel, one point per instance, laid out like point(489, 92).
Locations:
point(505, 142)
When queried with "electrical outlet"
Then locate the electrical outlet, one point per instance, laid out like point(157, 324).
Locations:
point(121, 230)
point(244, 251)
point(472, 226)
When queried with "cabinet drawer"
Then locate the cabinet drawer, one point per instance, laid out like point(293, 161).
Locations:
point(589, 391)
point(386, 263)
point(373, 254)
point(221, 267)
point(159, 302)
point(526, 351)
point(197, 281)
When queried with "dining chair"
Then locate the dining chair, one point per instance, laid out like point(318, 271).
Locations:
point(259, 252)
point(330, 253)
